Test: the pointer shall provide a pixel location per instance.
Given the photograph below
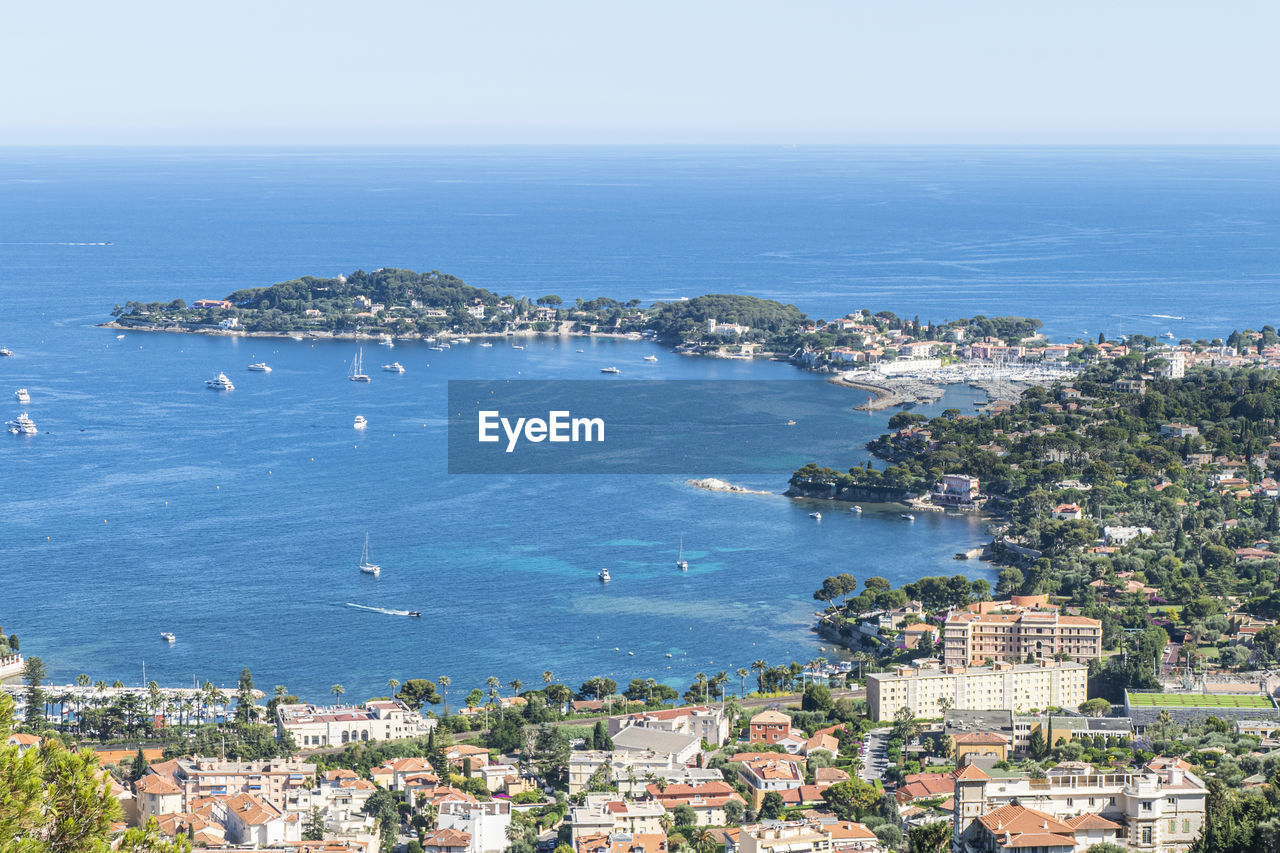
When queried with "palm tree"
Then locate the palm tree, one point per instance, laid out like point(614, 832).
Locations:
point(444, 683)
point(548, 676)
point(515, 684)
point(393, 685)
point(337, 690)
point(700, 681)
point(1164, 719)
point(493, 684)
point(742, 674)
point(760, 666)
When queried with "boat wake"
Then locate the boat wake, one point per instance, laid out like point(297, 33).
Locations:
point(387, 610)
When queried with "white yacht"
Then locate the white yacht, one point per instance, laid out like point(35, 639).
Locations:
point(220, 383)
point(119, 337)
point(22, 395)
point(816, 516)
point(610, 370)
point(260, 367)
point(581, 350)
point(386, 341)
point(462, 340)
point(650, 358)
point(603, 574)
point(908, 516)
point(360, 423)
point(517, 346)
point(681, 563)
point(857, 509)
point(22, 425)
point(436, 348)
point(393, 367)
point(357, 368)
point(168, 637)
point(1169, 335)
point(5, 352)
point(485, 344)
point(365, 566)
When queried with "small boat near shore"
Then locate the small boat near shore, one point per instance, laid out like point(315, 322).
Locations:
point(517, 346)
point(816, 516)
point(486, 344)
point(908, 516)
point(856, 509)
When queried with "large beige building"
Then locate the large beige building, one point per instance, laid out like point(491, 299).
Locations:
point(929, 689)
point(1011, 630)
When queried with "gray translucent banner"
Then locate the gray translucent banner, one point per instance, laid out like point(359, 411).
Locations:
point(694, 428)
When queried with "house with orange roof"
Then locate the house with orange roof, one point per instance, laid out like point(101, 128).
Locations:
point(848, 835)
point(707, 799)
point(971, 745)
point(250, 819)
point(1016, 827)
point(446, 841)
point(924, 786)
point(156, 795)
point(22, 741)
point(202, 831)
point(769, 727)
point(778, 773)
point(458, 755)
point(392, 774)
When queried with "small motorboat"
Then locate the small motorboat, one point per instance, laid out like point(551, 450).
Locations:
point(168, 637)
point(360, 422)
point(816, 516)
point(393, 367)
point(650, 358)
point(603, 574)
point(260, 367)
point(610, 370)
point(908, 516)
point(857, 509)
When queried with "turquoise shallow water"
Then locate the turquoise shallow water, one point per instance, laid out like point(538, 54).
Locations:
point(235, 520)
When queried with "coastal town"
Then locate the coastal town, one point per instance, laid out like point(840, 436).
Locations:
point(1115, 690)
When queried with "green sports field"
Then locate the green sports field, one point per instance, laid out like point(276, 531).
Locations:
point(1185, 700)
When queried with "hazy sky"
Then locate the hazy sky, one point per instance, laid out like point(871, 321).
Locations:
point(563, 71)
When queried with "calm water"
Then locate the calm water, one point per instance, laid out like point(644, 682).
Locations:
point(235, 520)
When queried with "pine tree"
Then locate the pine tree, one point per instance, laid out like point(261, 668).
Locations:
point(139, 768)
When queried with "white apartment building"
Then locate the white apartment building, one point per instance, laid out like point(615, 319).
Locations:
point(704, 722)
point(486, 823)
point(622, 766)
point(610, 813)
point(314, 725)
point(929, 689)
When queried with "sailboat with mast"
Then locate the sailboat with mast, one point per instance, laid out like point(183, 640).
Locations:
point(365, 566)
point(357, 368)
point(681, 563)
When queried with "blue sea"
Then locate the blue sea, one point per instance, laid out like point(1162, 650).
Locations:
point(235, 520)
